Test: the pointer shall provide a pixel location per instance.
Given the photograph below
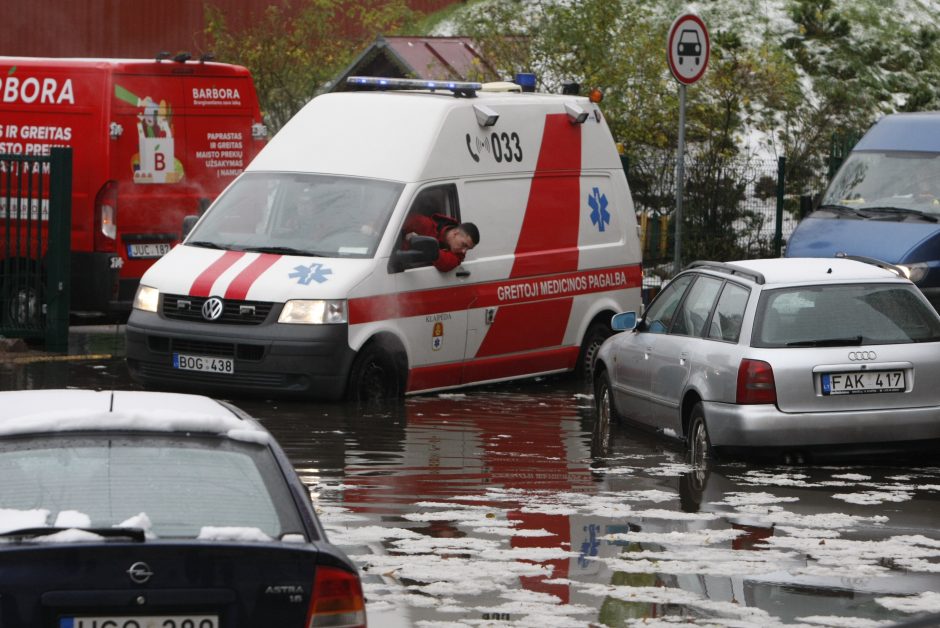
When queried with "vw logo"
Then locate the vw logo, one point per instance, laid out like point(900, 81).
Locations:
point(858, 356)
point(212, 308)
point(140, 572)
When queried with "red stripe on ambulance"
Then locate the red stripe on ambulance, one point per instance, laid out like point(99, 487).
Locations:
point(203, 284)
point(550, 288)
point(239, 287)
point(548, 243)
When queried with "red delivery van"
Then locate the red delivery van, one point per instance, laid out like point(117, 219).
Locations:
point(152, 141)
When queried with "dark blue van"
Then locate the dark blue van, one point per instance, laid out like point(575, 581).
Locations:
point(884, 202)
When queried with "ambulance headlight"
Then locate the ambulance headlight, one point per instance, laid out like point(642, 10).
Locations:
point(146, 299)
point(313, 312)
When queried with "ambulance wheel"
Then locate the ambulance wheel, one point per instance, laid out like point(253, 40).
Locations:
point(375, 376)
point(597, 332)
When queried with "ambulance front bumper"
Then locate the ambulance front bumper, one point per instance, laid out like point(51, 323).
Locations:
point(292, 360)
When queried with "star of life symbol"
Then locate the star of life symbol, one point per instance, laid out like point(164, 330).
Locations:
point(599, 214)
point(591, 545)
point(314, 272)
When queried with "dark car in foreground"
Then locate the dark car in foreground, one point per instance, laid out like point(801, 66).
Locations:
point(130, 509)
point(801, 356)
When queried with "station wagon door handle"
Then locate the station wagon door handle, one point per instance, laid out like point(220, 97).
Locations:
point(463, 273)
point(683, 357)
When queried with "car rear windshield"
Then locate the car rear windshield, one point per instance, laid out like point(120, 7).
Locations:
point(185, 486)
point(850, 314)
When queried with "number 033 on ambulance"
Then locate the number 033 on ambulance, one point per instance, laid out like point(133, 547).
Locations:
point(302, 278)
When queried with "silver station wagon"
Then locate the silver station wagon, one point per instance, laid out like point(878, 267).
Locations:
point(795, 357)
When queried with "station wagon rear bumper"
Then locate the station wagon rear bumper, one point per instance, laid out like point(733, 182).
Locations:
point(732, 425)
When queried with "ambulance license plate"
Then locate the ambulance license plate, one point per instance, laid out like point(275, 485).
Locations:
point(205, 363)
point(141, 621)
point(148, 249)
point(862, 382)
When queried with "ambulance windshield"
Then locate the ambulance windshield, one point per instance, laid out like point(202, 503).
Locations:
point(299, 214)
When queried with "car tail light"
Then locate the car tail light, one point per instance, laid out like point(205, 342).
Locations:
point(106, 206)
point(337, 600)
point(756, 382)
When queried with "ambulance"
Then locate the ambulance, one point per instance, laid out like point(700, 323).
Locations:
point(296, 281)
point(152, 141)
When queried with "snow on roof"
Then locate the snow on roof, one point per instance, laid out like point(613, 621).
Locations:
point(37, 411)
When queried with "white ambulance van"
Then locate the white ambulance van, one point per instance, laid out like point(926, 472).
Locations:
point(295, 280)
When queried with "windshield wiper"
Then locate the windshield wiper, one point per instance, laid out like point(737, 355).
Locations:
point(205, 244)
point(904, 210)
point(134, 534)
point(828, 342)
point(845, 209)
point(284, 250)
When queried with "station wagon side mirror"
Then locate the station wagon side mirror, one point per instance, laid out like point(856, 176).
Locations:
point(188, 223)
point(624, 321)
point(424, 250)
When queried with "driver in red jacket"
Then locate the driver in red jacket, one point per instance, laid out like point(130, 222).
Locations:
point(455, 238)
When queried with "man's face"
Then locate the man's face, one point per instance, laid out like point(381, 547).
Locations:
point(458, 241)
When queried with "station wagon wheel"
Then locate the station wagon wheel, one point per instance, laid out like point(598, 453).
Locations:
point(374, 378)
point(594, 337)
point(697, 441)
point(605, 415)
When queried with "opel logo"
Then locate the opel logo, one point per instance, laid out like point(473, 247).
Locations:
point(212, 308)
point(140, 572)
point(858, 356)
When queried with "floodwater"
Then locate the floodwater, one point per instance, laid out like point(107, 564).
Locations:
point(491, 507)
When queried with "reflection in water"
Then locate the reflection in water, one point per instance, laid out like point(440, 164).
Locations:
point(490, 508)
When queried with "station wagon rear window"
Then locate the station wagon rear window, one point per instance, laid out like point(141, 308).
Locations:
point(844, 315)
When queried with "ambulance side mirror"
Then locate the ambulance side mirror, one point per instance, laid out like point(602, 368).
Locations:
point(188, 223)
point(424, 250)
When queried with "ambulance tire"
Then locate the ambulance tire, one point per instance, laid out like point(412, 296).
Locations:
point(597, 332)
point(375, 377)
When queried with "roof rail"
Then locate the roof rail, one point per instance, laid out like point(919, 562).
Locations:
point(897, 270)
point(731, 269)
point(458, 88)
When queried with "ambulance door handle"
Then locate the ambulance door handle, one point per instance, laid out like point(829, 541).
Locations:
point(490, 315)
point(462, 273)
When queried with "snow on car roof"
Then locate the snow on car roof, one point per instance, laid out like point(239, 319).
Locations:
point(38, 411)
point(814, 269)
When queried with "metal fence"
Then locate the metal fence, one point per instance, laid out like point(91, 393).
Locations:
point(737, 209)
point(35, 246)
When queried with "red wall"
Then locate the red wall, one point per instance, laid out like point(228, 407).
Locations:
point(123, 28)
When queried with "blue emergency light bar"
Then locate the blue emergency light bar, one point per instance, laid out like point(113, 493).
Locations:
point(459, 88)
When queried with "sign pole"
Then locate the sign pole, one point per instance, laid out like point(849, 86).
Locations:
point(680, 179)
point(687, 50)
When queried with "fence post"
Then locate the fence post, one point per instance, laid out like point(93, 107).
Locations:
point(781, 186)
point(59, 252)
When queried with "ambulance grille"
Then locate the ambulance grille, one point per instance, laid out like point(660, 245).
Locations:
point(186, 308)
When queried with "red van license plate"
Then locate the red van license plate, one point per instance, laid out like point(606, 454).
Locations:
point(149, 249)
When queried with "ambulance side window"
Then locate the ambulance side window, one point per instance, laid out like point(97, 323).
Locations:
point(440, 199)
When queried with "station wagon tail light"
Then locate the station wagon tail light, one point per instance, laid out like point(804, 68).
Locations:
point(337, 600)
point(313, 312)
point(756, 382)
point(106, 206)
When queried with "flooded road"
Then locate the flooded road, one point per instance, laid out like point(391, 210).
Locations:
point(489, 508)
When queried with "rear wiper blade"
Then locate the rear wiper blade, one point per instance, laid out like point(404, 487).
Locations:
point(828, 342)
point(134, 534)
point(904, 210)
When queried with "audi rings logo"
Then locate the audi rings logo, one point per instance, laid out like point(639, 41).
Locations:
point(212, 308)
point(861, 356)
point(140, 572)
